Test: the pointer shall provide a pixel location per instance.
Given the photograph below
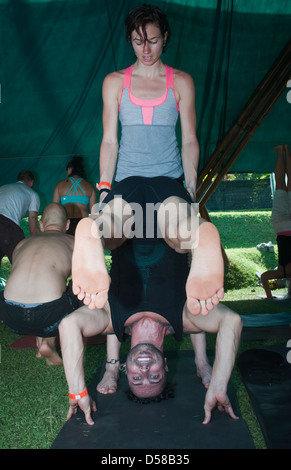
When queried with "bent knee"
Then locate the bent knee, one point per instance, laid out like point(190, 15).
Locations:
point(235, 320)
point(231, 318)
point(66, 323)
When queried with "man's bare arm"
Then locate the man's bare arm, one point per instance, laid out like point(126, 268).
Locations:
point(33, 223)
point(82, 322)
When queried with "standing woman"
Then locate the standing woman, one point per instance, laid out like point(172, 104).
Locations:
point(75, 193)
point(148, 98)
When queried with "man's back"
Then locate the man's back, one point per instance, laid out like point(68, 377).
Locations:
point(40, 268)
point(16, 199)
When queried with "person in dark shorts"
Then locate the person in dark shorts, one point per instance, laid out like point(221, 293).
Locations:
point(36, 297)
point(17, 199)
point(281, 219)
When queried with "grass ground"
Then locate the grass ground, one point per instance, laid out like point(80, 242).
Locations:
point(33, 396)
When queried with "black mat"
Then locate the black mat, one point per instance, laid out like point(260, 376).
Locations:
point(175, 423)
point(266, 326)
point(266, 319)
point(266, 374)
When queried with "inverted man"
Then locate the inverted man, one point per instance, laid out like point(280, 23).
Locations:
point(140, 299)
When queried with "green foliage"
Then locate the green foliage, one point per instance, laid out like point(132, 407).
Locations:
point(240, 233)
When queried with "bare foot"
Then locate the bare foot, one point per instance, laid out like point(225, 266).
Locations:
point(204, 287)
point(109, 382)
point(46, 349)
point(204, 372)
point(89, 273)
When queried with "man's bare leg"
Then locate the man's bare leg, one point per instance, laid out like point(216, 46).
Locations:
point(205, 282)
point(203, 367)
point(46, 347)
point(109, 382)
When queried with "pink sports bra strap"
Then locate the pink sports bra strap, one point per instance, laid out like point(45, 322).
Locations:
point(169, 77)
point(127, 77)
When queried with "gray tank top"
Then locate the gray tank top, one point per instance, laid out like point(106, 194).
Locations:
point(148, 144)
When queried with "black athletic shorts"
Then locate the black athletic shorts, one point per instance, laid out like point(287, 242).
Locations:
point(42, 320)
point(284, 250)
point(142, 191)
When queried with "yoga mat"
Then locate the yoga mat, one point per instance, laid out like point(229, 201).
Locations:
point(266, 326)
point(266, 374)
point(266, 319)
point(175, 423)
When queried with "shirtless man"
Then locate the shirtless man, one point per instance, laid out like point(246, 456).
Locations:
point(35, 298)
point(143, 191)
point(169, 307)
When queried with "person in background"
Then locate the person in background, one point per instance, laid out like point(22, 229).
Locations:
point(77, 195)
point(16, 199)
point(36, 296)
point(281, 219)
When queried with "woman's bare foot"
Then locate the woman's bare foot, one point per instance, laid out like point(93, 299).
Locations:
point(109, 382)
point(47, 349)
point(204, 287)
point(90, 278)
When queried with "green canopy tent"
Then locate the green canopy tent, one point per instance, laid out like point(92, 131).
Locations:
point(54, 56)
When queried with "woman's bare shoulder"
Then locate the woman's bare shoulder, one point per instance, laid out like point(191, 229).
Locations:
point(183, 78)
point(114, 78)
point(184, 85)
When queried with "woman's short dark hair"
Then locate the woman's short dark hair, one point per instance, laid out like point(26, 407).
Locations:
point(77, 167)
point(139, 17)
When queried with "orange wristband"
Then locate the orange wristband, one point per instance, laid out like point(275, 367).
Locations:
point(78, 396)
point(103, 183)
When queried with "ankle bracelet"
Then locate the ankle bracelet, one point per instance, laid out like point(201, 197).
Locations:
point(112, 361)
